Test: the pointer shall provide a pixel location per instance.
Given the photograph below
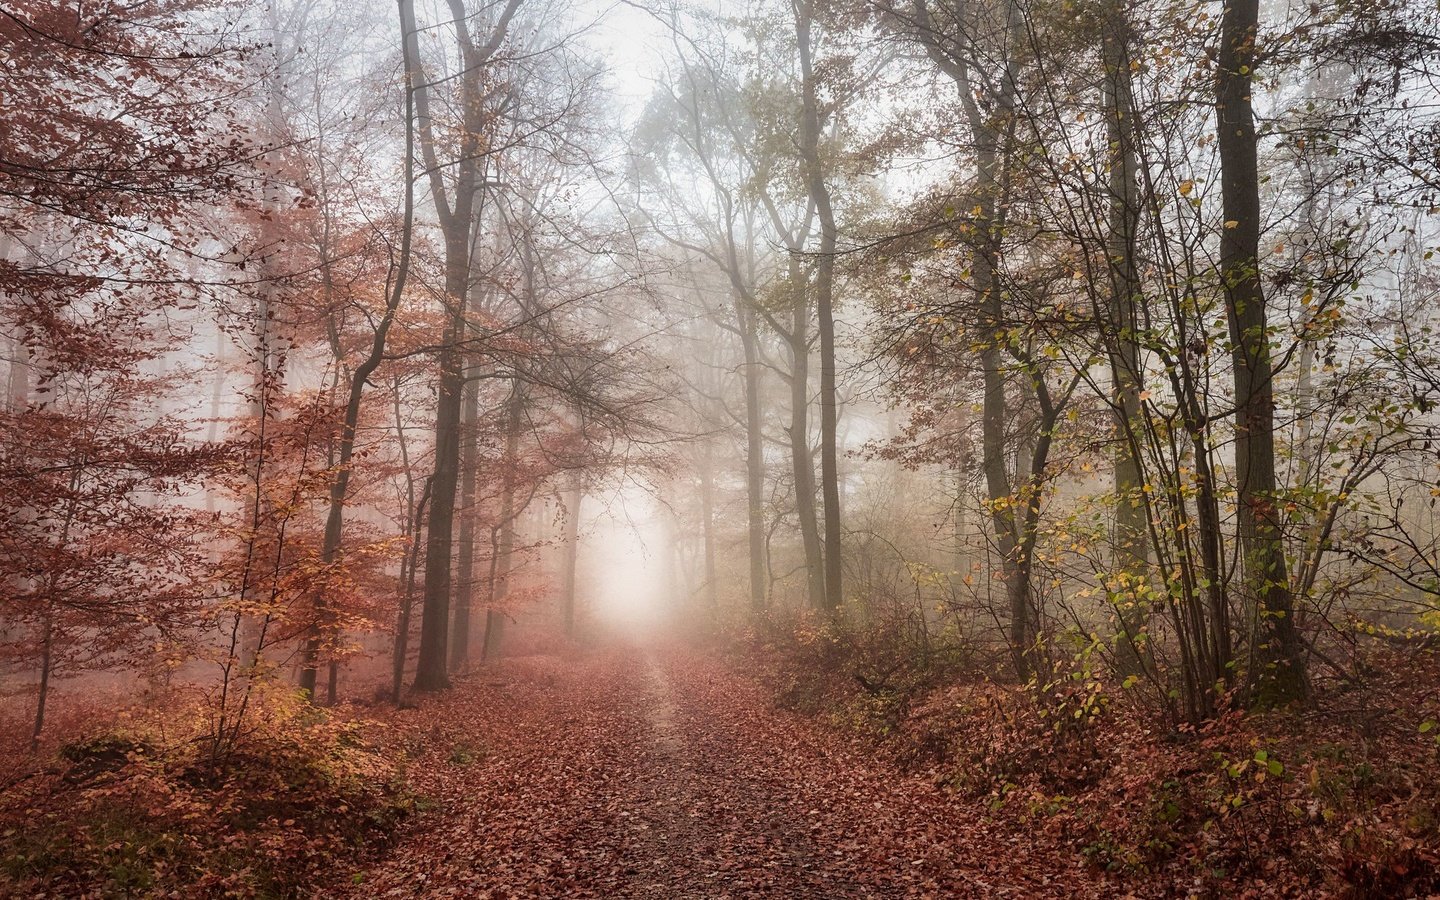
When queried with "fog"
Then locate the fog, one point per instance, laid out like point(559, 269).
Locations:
point(627, 561)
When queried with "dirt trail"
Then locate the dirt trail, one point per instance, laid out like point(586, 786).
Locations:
point(667, 775)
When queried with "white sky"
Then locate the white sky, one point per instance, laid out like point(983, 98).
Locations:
point(633, 43)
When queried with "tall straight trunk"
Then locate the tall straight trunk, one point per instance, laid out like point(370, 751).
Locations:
point(995, 410)
point(430, 671)
point(269, 357)
point(455, 207)
point(217, 397)
point(574, 498)
point(47, 635)
point(800, 459)
point(1279, 673)
point(501, 564)
point(17, 399)
point(465, 562)
point(47, 646)
point(819, 192)
point(408, 567)
point(1131, 514)
point(754, 459)
point(707, 523)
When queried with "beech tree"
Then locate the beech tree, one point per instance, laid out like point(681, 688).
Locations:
point(457, 201)
point(105, 176)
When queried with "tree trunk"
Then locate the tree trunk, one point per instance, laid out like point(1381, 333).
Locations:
point(1131, 538)
point(47, 646)
point(754, 460)
point(800, 458)
point(465, 569)
point(574, 499)
point(707, 523)
point(455, 208)
point(407, 597)
point(430, 672)
point(990, 134)
point(819, 192)
point(1279, 673)
point(501, 564)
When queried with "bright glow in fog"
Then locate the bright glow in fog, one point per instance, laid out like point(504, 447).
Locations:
point(626, 563)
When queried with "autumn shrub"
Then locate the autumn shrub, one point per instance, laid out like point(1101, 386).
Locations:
point(1339, 796)
point(806, 658)
point(142, 807)
point(865, 670)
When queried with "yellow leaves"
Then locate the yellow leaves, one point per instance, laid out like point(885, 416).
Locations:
point(1186, 187)
point(1232, 223)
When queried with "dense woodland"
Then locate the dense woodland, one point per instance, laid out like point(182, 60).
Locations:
point(972, 424)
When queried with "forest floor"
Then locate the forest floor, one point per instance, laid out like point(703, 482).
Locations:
point(729, 771)
point(667, 773)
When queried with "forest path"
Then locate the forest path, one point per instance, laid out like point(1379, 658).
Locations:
point(666, 774)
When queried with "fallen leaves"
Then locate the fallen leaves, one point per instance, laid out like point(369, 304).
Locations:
point(672, 776)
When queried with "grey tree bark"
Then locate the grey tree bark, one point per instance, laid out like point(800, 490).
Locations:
point(1278, 673)
point(811, 127)
point(455, 208)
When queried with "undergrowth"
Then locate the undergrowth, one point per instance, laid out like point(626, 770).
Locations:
point(142, 807)
point(1339, 797)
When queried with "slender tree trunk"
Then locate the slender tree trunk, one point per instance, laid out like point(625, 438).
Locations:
point(502, 563)
point(47, 646)
point(455, 206)
point(1279, 675)
point(810, 129)
point(407, 596)
point(990, 132)
point(465, 577)
point(754, 460)
point(1131, 513)
point(573, 501)
point(217, 396)
point(431, 673)
point(707, 523)
point(800, 459)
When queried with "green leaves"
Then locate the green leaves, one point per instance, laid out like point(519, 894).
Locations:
point(1272, 765)
point(1264, 764)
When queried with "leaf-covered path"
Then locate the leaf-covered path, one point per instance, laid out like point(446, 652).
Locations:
point(632, 773)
